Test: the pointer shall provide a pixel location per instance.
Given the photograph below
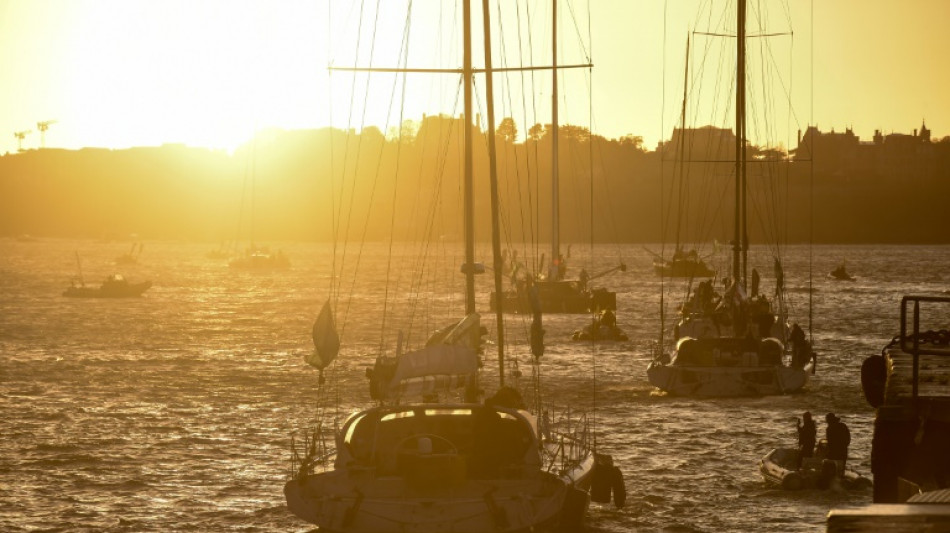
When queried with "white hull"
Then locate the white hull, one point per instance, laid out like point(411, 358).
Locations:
point(356, 501)
point(711, 381)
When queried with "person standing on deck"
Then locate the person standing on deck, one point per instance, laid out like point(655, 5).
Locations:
point(807, 433)
point(839, 438)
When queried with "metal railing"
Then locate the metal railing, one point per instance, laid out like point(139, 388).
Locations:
point(911, 343)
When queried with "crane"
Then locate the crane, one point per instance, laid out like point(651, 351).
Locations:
point(42, 127)
point(19, 138)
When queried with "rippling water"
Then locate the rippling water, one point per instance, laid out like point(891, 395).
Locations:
point(173, 412)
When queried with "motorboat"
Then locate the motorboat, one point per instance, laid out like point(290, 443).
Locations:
point(114, 286)
point(841, 273)
point(781, 468)
point(603, 327)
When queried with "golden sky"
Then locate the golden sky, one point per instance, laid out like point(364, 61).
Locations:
point(118, 73)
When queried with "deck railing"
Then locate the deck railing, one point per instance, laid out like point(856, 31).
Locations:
point(911, 343)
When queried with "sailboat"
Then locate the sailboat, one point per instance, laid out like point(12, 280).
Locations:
point(733, 344)
point(553, 291)
point(113, 286)
point(256, 257)
point(418, 461)
point(132, 257)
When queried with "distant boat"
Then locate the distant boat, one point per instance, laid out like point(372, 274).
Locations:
point(683, 265)
point(603, 327)
point(553, 292)
point(132, 257)
point(115, 286)
point(841, 273)
point(259, 258)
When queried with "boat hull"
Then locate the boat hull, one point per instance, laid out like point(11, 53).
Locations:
point(700, 326)
point(354, 502)
point(779, 468)
point(130, 290)
point(556, 300)
point(679, 270)
point(727, 381)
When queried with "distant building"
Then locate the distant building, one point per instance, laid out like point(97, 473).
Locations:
point(706, 143)
point(894, 155)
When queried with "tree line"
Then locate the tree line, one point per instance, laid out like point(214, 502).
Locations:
point(407, 184)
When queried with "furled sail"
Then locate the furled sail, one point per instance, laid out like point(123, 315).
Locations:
point(440, 367)
point(326, 340)
point(465, 332)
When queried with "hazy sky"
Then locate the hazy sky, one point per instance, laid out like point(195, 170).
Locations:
point(120, 73)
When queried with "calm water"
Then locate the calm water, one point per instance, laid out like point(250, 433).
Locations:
point(173, 412)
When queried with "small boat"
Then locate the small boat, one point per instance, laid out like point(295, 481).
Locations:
point(603, 327)
point(779, 467)
point(257, 258)
point(132, 257)
point(682, 265)
point(841, 273)
point(115, 286)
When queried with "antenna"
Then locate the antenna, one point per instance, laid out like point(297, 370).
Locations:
point(42, 127)
point(19, 138)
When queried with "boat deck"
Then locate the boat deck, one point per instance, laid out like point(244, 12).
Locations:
point(933, 384)
point(918, 365)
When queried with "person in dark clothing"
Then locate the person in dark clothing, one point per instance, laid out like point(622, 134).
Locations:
point(801, 350)
point(807, 433)
point(839, 438)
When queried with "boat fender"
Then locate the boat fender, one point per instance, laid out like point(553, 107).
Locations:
point(600, 485)
point(792, 481)
point(618, 487)
point(829, 471)
point(874, 379)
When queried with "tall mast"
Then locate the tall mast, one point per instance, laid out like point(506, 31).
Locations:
point(469, 179)
point(740, 246)
point(681, 149)
point(555, 200)
point(493, 183)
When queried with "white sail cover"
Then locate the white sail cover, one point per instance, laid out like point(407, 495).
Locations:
point(465, 332)
point(326, 340)
point(440, 366)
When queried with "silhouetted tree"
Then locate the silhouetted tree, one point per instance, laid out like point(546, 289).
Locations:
point(535, 132)
point(507, 130)
point(634, 141)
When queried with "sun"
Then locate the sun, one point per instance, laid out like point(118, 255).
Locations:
point(207, 73)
